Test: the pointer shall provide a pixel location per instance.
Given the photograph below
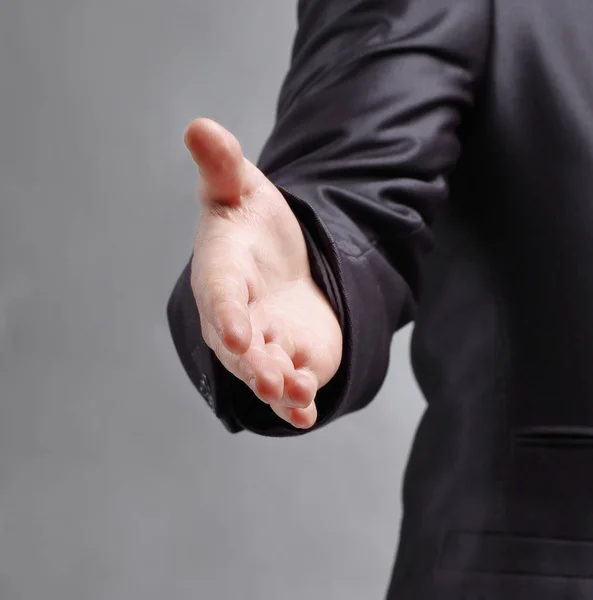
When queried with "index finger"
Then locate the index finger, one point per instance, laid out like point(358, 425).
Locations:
point(222, 296)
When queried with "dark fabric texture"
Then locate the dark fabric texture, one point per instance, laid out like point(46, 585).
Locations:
point(439, 156)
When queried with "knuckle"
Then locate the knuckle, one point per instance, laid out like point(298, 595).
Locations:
point(244, 371)
point(223, 289)
point(207, 334)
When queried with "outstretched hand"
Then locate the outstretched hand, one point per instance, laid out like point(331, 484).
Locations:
point(261, 312)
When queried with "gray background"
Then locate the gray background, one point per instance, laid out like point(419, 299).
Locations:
point(116, 482)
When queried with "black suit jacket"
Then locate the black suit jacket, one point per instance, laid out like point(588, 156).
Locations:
point(465, 127)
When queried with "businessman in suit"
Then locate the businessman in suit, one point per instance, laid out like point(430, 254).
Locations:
point(431, 160)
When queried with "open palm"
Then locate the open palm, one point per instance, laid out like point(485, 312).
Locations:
point(261, 312)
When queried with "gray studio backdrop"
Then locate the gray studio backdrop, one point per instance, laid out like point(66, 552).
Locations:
point(116, 482)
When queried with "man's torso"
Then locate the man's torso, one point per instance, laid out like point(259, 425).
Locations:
point(498, 497)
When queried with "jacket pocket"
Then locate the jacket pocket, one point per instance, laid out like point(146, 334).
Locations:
point(549, 483)
point(517, 555)
point(554, 437)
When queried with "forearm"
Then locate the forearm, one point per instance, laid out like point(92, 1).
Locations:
point(364, 140)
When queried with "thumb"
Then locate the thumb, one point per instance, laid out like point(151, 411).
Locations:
point(218, 155)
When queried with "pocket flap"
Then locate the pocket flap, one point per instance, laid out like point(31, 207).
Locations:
point(515, 555)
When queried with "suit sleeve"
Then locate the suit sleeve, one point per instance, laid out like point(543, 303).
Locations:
point(366, 135)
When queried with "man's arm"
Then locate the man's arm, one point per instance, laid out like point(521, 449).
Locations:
point(365, 136)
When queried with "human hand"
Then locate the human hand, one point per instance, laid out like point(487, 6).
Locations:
point(261, 312)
